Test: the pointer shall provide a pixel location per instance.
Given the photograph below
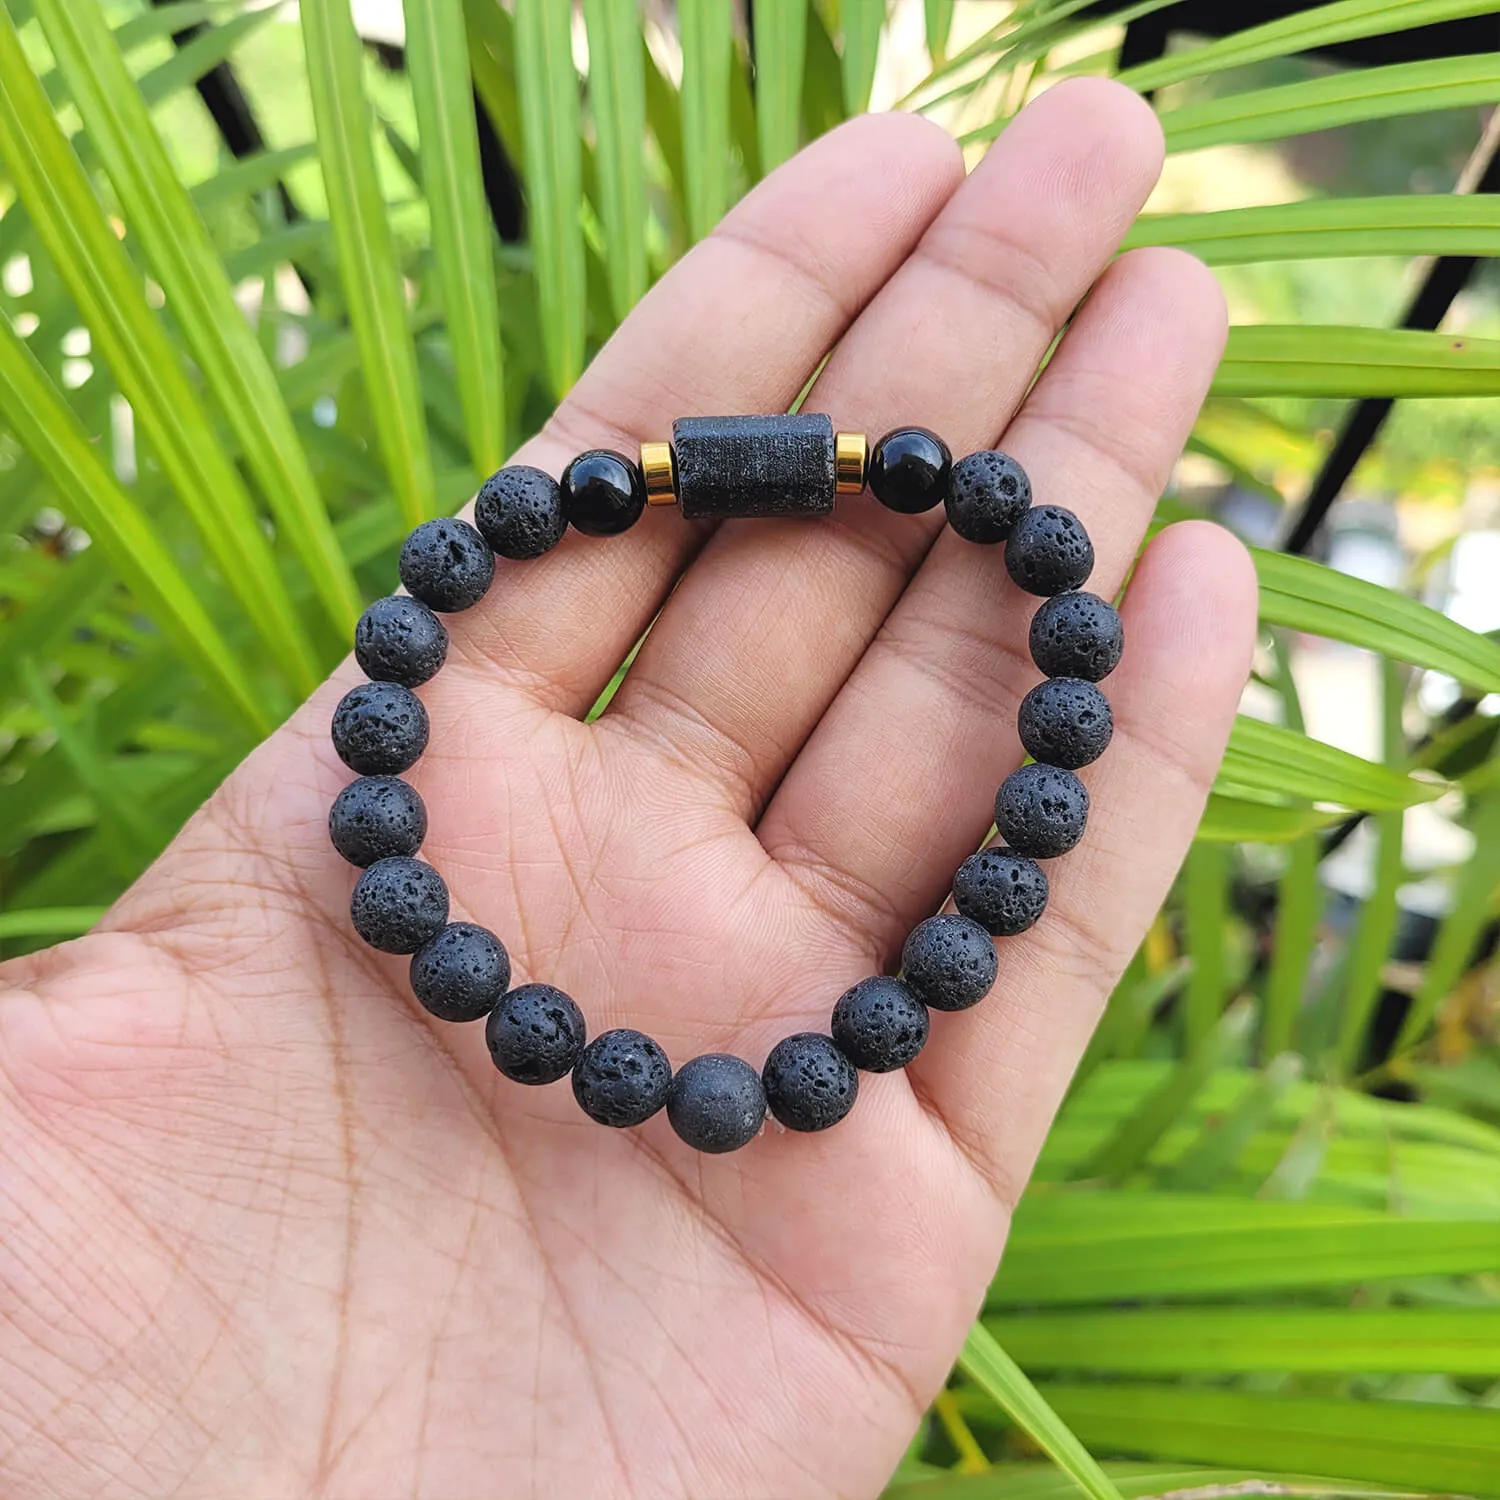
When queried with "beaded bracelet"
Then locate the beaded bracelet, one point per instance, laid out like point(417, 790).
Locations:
point(722, 468)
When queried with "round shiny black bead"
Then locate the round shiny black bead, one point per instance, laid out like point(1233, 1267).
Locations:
point(1077, 635)
point(379, 728)
point(1065, 722)
point(879, 1024)
point(809, 1083)
point(1041, 811)
point(988, 493)
point(909, 470)
point(519, 512)
point(446, 564)
point(716, 1103)
point(1004, 892)
point(621, 1078)
point(1049, 551)
point(950, 962)
point(377, 817)
point(603, 493)
point(399, 904)
point(461, 973)
point(535, 1034)
point(398, 639)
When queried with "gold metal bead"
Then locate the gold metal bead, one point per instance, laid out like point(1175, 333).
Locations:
point(848, 463)
point(660, 473)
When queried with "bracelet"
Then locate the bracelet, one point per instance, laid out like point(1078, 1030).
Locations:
point(720, 468)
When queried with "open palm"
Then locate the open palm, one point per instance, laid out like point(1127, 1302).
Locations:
point(266, 1229)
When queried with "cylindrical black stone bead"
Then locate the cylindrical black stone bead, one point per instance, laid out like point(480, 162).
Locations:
point(621, 1078)
point(535, 1034)
point(446, 564)
point(399, 904)
point(398, 639)
point(909, 470)
point(1004, 892)
point(716, 1103)
point(949, 961)
point(809, 1083)
point(730, 467)
point(1065, 722)
point(1049, 552)
point(1041, 810)
point(603, 493)
point(987, 495)
point(377, 817)
point(461, 973)
point(879, 1024)
point(519, 512)
point(1077, 635)
point(379, 728)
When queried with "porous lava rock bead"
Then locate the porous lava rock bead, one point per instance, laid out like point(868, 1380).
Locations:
point(1049, 551)
point(621, 1078)
point(879, 1024)
point(446, 564)
point(1041, 810)
point(379, 728)
point(377, 817)
point(716, 1103)
point(519, 512)
point(987, 495)
point(535, 1034)
point(949, 961)
point(1077, 634)
point(399, 904)
point(810, 1085)
point(909, 470)
point(1065, 722)
point(1004, 892)
point(398, 639)
point(603, 493)
point(461, 973)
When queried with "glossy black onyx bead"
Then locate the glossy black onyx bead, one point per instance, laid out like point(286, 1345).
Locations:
point(909, 470)
point(461, 973)
point(519, 512)
point(987, 495)
point(446, 564)
point(398, 639)
point(1065, 722)
point(377, 817)
point(716, 1103)
point(1004, 892)
point(603, 493)
point(810, 1085)
point(1049, 551)
point(879, 1024)
point(1077, 635)
point(535, 1034)
point(621, 1078)
point(1041, 811)
point(399, 904)
point(380, 728)
point(950, 962)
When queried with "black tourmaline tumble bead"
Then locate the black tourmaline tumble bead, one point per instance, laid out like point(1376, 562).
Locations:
point(621, 1078)
point(535, 1034)
point(603, 493)
point(1004, 892)
point(399, 904)
point(716, 1103)
point(809, 1083)
point(987, 495)
point(1049, 552)
point(732, 467)
point(446, 564)
point(880, 1024)
point(950, 962)
point(377, 817)
point(909, 470)
point(461, 973)
point(1066, 722)
point(1077, 635)
point(1041, 811)
point(519, 512)
point(379, 728)
point(398, 639)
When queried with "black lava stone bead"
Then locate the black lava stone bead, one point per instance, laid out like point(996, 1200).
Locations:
point(603, 493)
point(461, 973)
point(1065, 722)
point(1041, 811)
point(950, 962)
point(716, 1103)
point(988, 493)
point(398, 639)
point(909, 470)
point(379, 728)
point(446, 564)
point(621, 1078)
point(1004, 892)
point(377, 817)
point(1077, 635)
point(535, 1034)
point(399, 904)
point(809, 1083)
point(880, 1024)
point(519, 512)
point(1049, 552)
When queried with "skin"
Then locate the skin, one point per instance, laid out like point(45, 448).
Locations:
point(268, 1230)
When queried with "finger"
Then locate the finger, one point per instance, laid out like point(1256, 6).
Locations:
point(896, 787)
point(951, 342)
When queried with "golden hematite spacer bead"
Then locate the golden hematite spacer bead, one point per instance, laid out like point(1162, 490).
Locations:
point(848, 463)
point(660, 473)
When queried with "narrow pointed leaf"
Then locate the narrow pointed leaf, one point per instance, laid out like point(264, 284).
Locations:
point(780, 54)
point(707, 52)
point(49, 921)
point(1267, 359)
point(863, 24)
